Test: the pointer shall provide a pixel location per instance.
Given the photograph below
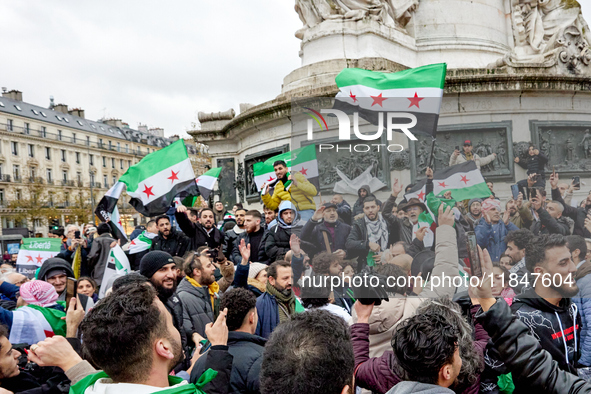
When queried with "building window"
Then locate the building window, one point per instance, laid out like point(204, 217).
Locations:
point(110, 145)
point(126, 148)
point(16, 171)
point(50, 199)
point(112, 163)
point(1, 196)
point(1, 170)
point(91, 159)
point(32, 172)
point(63, 155)
point(67, 199)
point(77, 157)
point(114, 180)
point(65, 176)
point(27, 128)
point(104, 161)
point(121, 163)
point(18, 194)
point(31, 149)
point(128, 163)
point(48, 153)
point(87, 141)
point(118, 147)
point(49, 177)
point(14, 148)
point(74, 138)
point(100, 142)
point(79, 177)
point(59, 135)
point(105, 180)
point(9, 125)
point(43, 131)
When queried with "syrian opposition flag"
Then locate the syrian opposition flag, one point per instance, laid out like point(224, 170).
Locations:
point(141, 242)
point(418, 91)
point(33, 252)
point(117, 263)
point(206, 182)
point(464, 180)
point(32, 324)
point(108, 203)
point(300, 160)
point(117, 226)
point(419, 190)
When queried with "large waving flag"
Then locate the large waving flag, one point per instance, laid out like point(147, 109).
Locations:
point(300, 160)
point(33, 252)
point(207, 181)
point(465, 181)
point(418, 91)
point(154, 182)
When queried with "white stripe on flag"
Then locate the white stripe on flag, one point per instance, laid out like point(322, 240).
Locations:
point(457, 181)
point(427, 100)
point(206, 181)
point(157, 185)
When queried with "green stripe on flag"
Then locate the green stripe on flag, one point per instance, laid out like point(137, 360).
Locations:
point(214, 172)
point(479, 190)
point(430, 76)
point(154, 163)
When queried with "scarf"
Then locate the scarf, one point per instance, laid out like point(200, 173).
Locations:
point(286, 304)
point(213, 288)
point(377, 231)
point(469, 156)
point(258, 284)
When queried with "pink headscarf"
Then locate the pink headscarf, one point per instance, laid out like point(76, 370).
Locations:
point(491, 203)
point(38, 293)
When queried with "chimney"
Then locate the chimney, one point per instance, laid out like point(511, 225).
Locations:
point(63, 108)
point(157, 131)
point(113, 122)
point(143, 128)
point(13, 95)
point(79, 112)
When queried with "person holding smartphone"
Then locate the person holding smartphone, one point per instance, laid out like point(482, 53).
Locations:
point(534, 164)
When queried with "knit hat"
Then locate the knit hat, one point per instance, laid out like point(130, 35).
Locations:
point(473, 201)
point(255, 268)
point(153, 261)
point(491, 203)
point(38, 293)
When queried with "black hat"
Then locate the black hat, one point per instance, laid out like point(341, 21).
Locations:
point(411, 203)
point(153, 261)
point(327, 205)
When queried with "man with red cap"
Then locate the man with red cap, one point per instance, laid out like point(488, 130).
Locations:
point(461, 157)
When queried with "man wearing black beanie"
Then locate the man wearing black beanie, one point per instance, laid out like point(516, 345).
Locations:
point(159, 267)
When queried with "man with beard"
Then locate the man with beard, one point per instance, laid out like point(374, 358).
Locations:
point(491, 232)
point(198, 292)
point(168, 239)
point(254, 236)
point(277, 243)
point(325, 232)
point(551, 219)
point(577, 214)
point(230, 236)
point(517, 242)
point(159, 267)
point(277, 304)
point(270, 217)
point(519, 213)
point(474, 212)
point(219, 211)
point(372, 234)
point(547, 308)
point(202, 233)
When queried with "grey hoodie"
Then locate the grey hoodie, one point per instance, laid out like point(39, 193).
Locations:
point(417, 387)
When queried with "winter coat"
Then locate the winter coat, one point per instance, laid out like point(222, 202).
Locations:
point(229, 238)
point(524, 356)
point(548, 225)
point(197, 233)
point(313, 234)
point(577, 214)
point(534, 165)
point(358, 206)
point(247, 352)
point(197, 308)
point(523, 218)
point(583, 302)
point(177, 244)
point(301, 195)
point(345, 212)
point(277, 243)
point(492, 237)
point(98, 256)
point(407, 387)
point(480, 161)
point(255, 256)
point(218, 216)
point(268, 314)
point(385, 317)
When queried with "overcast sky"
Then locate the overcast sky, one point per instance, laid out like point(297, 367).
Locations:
point(147, 61)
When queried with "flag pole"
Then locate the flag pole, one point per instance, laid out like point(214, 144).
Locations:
point(432, 157)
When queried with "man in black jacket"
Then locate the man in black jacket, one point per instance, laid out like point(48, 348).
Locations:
point(551, 220)
point(325, 233)
point(168, 239)
point(534, 164)
point(230, 236)
point(577, 214)
point(245, 347)
point(202, 233)
point(253, 236)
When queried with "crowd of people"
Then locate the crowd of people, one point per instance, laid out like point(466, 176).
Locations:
point(238, 301)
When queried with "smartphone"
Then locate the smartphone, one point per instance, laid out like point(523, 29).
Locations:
point(457, 147)
point(577, 181)
point(533, 192)
point(515, 191)
point(77, 234)
point(475, 264)
point(71, 289)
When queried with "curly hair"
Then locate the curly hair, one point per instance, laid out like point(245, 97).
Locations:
point(118, 332)
point(472, 363)
point(322, 261)
point(535, 252)
point(311, 353)
point(315, 293)
point(521, 238)
point(239, 302)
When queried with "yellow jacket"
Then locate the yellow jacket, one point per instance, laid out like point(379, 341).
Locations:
point(301, 195)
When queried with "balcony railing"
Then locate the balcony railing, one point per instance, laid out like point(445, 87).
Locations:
point(50, 181)
point(17, 178)
point(4, 178)
point(33, 179)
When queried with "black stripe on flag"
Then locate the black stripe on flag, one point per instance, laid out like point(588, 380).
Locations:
point(160, 205)
point(105, 208)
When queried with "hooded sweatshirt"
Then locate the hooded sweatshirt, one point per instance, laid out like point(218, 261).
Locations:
point(358, 207)
point(418, 387)
point(557, 328)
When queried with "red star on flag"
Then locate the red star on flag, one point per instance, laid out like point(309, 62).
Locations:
point(271, 179)
point(354, 97)
point(39, 259)
point(415, 101)
point(173, 176)
point(148, 191)
point(197, 180)
point(378, 100)
point(442, 184)
point(421, 195)
point(464, 179)
point(120, 225)
point(29, 259)
point(132, 243)
point(304, 171)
